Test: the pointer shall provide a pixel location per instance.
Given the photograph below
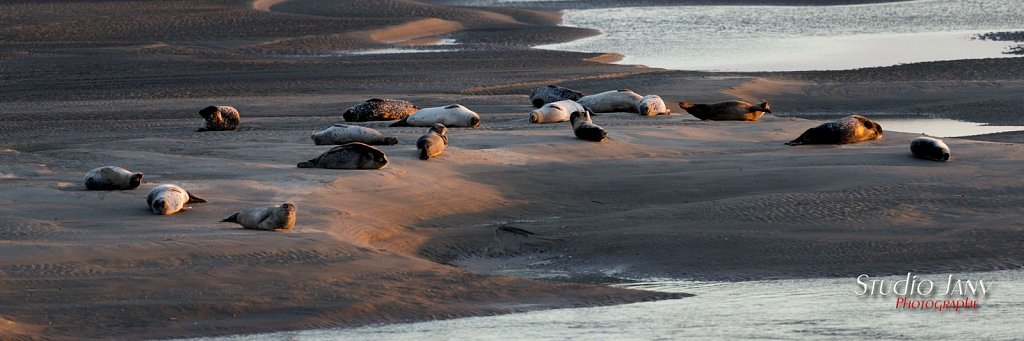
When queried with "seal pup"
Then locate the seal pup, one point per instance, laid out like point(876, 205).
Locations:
point(343, 133)
point(379, 109)
point(584, 128)
point(555, 112)
point(219, 118)
point(170, 199)
point(929, 148)
point(354, 155)
point(454, 115)
point(433, 142)
point(624, 100)
point(849, 129)
point(727, 111)
point(111, 178)
point(267, 218)
point(547, 94)
point(652, 105)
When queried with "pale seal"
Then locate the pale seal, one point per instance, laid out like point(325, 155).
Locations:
point(555, 112)
point(110, 178)
point(849, 129)
point(611, 101)
point(929, 148)
point(727, 111)
point(652, 105)
point(170, 199)
point(355, 155)
point(343, 133)
point(584, 128)
point(547, 94)
point(377, 109)
point(220, 117)
point(454, 115)
point(267, 218)
point(434, 142)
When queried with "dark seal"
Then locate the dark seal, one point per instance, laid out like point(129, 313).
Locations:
point(547, 94)
point(378, 109)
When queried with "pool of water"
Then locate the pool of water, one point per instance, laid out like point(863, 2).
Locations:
point(823, 308)
point(942, 127)
point(791, 38)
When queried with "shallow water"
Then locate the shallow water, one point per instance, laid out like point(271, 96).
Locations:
point(791, 38)
point(942, 127)
point(826, 308)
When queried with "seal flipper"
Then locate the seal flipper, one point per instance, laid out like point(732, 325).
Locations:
point(232, 219)
point(193, 199)
point(401, 123)
point(800, 140)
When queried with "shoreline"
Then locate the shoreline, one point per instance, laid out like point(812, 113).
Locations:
point(361, 254)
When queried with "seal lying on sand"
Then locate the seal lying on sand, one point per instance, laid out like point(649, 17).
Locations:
point(170, 199)
point(584, 128)
point(555, 112)
point(611, 101)
point(343, 133)
point(355, 155)
point(219, 118)
point(849, 129)
point(454, 115)
point(267, 218)
point(929, 148)
point(377, 109)
point(434, 142)
point(652, 105)
point(547, 94)
point(112, 178)
point(727, 111)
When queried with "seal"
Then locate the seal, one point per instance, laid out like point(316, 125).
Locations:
point(929, 148)
point(434, 142)
point(454, 115)
point(727, 111)
point(170, 199)
point(652, 105)
point(379, 109)
point(555, 112)
point(220, 118)
point(584, 128)
point(267, 218)
point(354, 155)
point(343, 133)
point(547, 94)
point(112, 178)
point(611, 101)
point(849, 129)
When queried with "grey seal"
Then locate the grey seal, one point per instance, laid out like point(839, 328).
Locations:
point(110, 178)
point(355, 155)
point(267, 218)
point(849, 129)
point(433, 142)
point(170, 199)
point(584, 127)
point(219, 118)
point(727, 111)
point(344, 133)
point(547, 94)
point(929, 148)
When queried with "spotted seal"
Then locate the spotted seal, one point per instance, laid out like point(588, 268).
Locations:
point(170, 199)
point(455, 115)
point(624, 100)
point(379, 109)
point(344, 133)
point(555, 112)
point(584, 127)
point(849, 129)
point(110, 178)
point(267, 218)
point(547, 94)
point(220, 117)
point(652, 105)
point(433, 142)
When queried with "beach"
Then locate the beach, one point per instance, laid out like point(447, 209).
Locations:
point(89, 83)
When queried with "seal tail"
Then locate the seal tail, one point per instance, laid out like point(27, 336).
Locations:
point(401, 123)
point(305, 164)
point(193, 199)
point(232, 219)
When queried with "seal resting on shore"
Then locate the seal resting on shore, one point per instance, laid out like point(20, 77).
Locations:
point(379, 109)
point(624, 100)
point(727, 111)
point(433, 142)
point(929, 148)
point(267, 218)
point(220, 117)
point(547, 94)
point(170, 199)
point(354, 155)
point(555, 112)
point(343, 133)
point(584, 128)
point(652, 105)
point(849, 129)
point(454, 115)
point(111, 178)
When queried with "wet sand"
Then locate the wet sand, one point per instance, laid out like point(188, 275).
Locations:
point(88, 84)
